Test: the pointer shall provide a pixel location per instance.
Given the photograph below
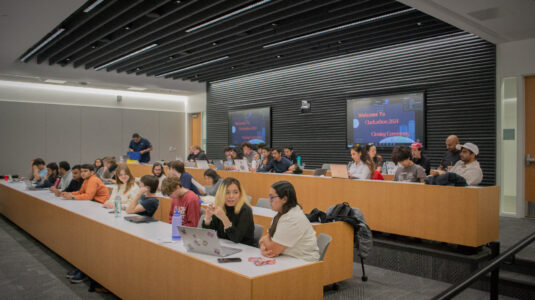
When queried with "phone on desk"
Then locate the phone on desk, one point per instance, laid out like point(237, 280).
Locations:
point(228, 259)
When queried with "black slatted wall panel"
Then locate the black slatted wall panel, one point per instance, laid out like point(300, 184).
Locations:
point(457, 73)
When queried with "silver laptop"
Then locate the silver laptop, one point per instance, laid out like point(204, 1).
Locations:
point(219, 165)
point(241, 164)
point(204, 241)
point(190, 164)
point(29, 185)
point(202, 164)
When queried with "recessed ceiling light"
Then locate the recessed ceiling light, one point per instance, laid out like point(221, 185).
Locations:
point(55, 81)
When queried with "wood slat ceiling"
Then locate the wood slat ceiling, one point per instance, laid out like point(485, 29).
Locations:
point(233, 41)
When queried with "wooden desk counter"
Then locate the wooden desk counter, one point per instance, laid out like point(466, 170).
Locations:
point(133, 267)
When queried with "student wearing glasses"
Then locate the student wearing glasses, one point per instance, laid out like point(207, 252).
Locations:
point(290, 232)
point(231, 216)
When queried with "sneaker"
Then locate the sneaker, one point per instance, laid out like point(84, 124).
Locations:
point(71, 273)
point(78, 277)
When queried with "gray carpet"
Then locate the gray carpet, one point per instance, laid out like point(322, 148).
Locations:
point(28, 270)
point(513, 230)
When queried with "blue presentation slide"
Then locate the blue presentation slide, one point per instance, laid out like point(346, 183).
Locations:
point(249, 126)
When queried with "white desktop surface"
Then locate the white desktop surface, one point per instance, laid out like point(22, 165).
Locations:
point(160, 233)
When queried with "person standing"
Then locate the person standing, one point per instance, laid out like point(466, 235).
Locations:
point(141, 145)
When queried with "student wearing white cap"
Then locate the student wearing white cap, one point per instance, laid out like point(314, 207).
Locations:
point(468, 167)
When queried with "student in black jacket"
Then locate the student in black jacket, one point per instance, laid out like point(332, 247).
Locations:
point(51, 176)
point(76, 182)
point(419, 158)
point(231, 216)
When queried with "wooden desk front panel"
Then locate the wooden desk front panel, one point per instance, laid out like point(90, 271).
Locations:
point(464, 216)
point(134, 268)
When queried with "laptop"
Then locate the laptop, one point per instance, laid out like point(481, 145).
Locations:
point(339, 171)
point(326, 167)
point(320, 172)
point(242, 165)
point(219, 165)
point(29, 185)
point(204, 241)
point(202, 164)
point(190, 164)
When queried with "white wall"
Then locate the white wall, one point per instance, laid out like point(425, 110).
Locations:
point(516, 58)
point(79, 127)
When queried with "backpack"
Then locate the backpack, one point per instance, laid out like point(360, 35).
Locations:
point(363, 238)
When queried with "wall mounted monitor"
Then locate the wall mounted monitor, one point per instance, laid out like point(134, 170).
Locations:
point(386, 121)
point(249, 125)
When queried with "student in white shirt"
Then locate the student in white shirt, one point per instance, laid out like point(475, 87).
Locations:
point(361, 167)
point(290, 233)
point(468, 167)
point(126, 188)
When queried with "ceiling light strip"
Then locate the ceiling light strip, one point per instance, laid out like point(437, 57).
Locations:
point(95, 4)
point(58, 32)
point(126, 57)
point(239, 11)
point(194, 66)
point(341, 27)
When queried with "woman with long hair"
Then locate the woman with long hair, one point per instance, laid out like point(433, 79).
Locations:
point(125, 187)
point(290, 233)
point(377, 159)
point(231, 216)
point(361, 167)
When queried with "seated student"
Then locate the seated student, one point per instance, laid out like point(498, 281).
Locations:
point(419, 158)
point(198, 154)
point(265, 157)
point(236, 153)
point(108, 170)
point(176, 168)
point(92, 188)
point(39, 171)
point(158, 171)
point(290, 154)
point(361, 167)
point(145, 202)
point(408, 170)
point(377, 159)
point(278, 164)
point(74, 185)
point(66, 175)
point(99, 167)
point(51, 176)
point(231, 216)
point(183, 200)
point(214, 180)
point(248, 152)
point(452, 155)
point(290, 232)
point(468, 167)
point(125, 187)
point(191, 155)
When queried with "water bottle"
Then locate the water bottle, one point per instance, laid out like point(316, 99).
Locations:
point(299, 161)
point(385, 168)
point(176, 221)
point(117, 205)
point(253, 164)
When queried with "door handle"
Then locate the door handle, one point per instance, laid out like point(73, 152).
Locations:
point(529, 159)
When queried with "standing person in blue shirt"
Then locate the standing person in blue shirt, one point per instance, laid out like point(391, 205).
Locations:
point(279, 163)
point(141, 145)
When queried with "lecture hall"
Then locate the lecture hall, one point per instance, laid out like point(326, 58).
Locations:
point(267, 149)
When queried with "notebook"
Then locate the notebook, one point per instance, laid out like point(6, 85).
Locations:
point(204, 241)
point(140, 219)
point(339, 171)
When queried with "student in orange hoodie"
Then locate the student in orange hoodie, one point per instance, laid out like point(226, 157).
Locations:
point(92, 188)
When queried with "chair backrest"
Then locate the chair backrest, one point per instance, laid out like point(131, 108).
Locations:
point(323, 241)
point(258, 229)
point(199, 225)
point(263, 202)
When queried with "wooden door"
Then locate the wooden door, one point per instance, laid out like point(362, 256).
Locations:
point(530, 137)
point(195, 129)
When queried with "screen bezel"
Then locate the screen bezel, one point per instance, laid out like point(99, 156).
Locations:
point(229, 124)
point(349, 115)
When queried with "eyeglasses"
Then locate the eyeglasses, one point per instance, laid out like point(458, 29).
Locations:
point(271, 197)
